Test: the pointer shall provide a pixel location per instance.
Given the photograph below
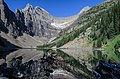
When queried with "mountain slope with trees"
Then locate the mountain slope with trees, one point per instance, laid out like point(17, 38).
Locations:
point(98, 25)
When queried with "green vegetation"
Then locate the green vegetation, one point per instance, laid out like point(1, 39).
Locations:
point(112, 47)
point(110, 52)
point(47, 45)
point(106, 25)
point(89, 15)
point(97, 55)
point(71, 36)
point(106, 32)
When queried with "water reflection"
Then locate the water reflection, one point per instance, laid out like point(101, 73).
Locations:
point(117, 52)
point(96, 57)
point(33, 64)
point(45, 63)
point(4, 53)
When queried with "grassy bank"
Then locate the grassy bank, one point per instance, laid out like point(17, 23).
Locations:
point(110, 49)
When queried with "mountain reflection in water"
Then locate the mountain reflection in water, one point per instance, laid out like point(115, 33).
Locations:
point(47, 64)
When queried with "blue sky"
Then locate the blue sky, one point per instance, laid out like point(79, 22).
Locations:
point(59, 8)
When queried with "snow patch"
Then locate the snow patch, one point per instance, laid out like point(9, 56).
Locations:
point(60, 25)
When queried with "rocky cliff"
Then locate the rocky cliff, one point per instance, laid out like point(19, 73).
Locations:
point(9, 21)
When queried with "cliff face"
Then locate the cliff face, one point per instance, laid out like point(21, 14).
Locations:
point(10, 21)
point(38, 22)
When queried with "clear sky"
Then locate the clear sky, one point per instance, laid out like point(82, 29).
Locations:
point(59, 8)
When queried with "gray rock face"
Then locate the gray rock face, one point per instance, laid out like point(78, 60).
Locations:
point(2, 27)
point(10, 21)
point(38, 22)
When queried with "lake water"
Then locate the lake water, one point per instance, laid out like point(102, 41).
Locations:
point(51, 64)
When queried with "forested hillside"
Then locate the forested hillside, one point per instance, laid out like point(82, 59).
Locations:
point(106, 26)
point(103, 21)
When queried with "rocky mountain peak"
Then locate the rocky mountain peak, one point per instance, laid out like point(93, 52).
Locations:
point(28, 7)
point(39, 8)
point(17, 11)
